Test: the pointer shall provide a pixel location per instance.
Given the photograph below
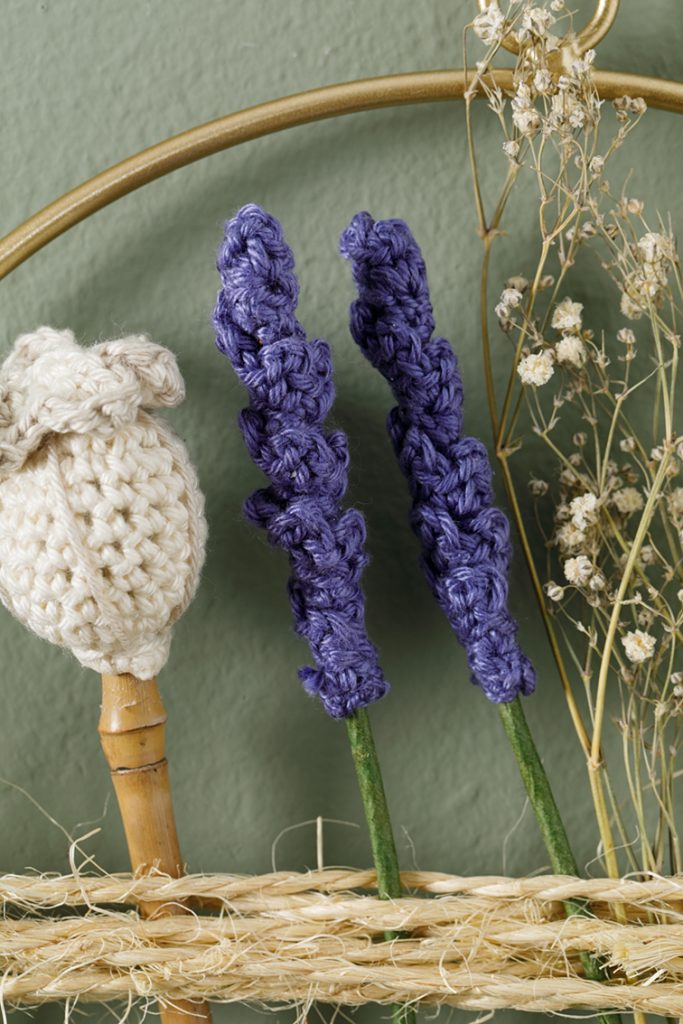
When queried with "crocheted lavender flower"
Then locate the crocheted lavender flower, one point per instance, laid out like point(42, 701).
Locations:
point(465, 541)
point(289, 381)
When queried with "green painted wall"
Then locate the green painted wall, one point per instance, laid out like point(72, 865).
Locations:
point(84, 84)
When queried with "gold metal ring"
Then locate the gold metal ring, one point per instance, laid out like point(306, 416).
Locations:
point(589, 36)
point(277, 115)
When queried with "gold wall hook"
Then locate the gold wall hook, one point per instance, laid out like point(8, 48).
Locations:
point(599, 25)
point(574, 45)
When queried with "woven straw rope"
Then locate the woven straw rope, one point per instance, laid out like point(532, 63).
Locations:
point(482, 943)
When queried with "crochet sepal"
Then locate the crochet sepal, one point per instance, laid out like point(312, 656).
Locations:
point(289, 383)
point(465, 540)
point(49, 384)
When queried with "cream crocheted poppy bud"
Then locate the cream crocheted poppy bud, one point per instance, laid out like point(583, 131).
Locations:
point(101, 518)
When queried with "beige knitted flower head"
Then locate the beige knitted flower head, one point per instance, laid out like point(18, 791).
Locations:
point(101, 517)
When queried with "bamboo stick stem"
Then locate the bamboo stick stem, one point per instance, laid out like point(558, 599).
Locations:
point(132, 732)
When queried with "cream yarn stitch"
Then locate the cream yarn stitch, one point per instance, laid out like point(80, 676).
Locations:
point(101, 518)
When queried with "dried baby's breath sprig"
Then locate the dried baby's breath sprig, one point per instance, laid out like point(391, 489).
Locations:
point(598, 409)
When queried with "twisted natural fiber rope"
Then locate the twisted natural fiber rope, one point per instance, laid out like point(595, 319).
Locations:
point(482, 943)
point(49, 891)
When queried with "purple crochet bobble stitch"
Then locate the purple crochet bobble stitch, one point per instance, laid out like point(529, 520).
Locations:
point(465, 540)
point(289, 382)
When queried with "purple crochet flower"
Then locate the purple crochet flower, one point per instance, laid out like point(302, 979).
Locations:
point(289, 382)
point(465, 541)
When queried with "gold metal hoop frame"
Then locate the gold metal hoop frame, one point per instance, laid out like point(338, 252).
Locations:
point(290, 112)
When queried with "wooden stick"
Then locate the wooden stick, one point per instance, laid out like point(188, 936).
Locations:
point(132, 731)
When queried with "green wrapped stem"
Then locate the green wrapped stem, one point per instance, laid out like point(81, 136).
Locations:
point(375, 804)
point(381, 833)
point(538, 788)
point(549, 820)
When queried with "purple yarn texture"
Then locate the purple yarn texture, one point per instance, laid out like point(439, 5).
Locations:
point(289, 383)
point(465, 540)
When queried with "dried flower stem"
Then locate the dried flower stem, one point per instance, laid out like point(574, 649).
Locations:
point(643, 527)
point(488, 232)
point(547, 621)
point(617, 520)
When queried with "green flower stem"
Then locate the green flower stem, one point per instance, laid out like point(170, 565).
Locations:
point(381, 833)
point(549, 821)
